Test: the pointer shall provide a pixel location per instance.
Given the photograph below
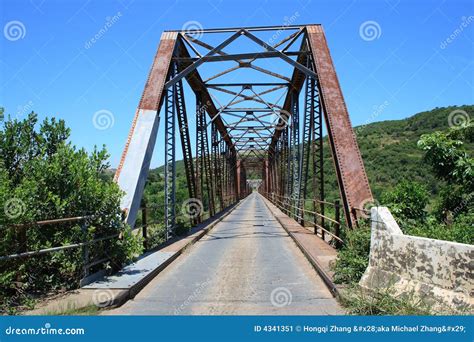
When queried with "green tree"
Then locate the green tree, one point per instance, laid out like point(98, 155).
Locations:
point(450, 161)
point(407, 201)
point(42, 177)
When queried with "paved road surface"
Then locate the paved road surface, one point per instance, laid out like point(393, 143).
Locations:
point(246, 265)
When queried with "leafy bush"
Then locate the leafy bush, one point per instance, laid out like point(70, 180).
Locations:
point(461, 230)
point(407, 201)
point(353, 257)
point(448, 156)
point(43, 177)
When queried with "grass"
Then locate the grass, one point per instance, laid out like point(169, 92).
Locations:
point(359, 301)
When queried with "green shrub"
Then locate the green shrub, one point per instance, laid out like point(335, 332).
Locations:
point(353, 257)
point(43, 177)
point(407, 201)
point(461, 230)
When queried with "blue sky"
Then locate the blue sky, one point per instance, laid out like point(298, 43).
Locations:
point(408, 67)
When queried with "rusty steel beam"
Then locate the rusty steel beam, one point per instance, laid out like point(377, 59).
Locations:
point(197, 85)
point(134, 164)
point(352, 179)
point(353, 183)
point(295, 84)
point(233, 29)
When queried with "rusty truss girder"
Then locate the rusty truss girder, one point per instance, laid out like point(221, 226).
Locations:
point(244, 125)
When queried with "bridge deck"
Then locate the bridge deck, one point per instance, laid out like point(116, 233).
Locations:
point(246, 265)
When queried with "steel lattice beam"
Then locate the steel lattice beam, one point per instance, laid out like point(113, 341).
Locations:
point(244, 138)
point(170, 161)
point(134, 164)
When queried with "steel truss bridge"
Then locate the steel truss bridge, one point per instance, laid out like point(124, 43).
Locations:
point(264, 97)
point(261, 94)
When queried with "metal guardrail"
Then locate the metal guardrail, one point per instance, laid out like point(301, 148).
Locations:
point(286, 204)
point(85, 244)
point(84, 224)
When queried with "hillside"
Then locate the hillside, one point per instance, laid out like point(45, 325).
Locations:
point(390, 153)
point(389, 150)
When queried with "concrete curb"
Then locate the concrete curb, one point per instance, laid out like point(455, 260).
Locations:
point(327, 279)
point(112, 298)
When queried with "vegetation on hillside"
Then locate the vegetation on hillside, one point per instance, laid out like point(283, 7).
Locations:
point(390, 153)
point(419, 167)
point(450, 217)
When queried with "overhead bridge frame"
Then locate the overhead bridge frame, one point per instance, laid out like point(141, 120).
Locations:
point(233, 141)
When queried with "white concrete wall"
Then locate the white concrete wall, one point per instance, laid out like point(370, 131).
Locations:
point(440, 273)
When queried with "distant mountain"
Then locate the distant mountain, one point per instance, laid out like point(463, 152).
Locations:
point(389, 151)
point(389, 148)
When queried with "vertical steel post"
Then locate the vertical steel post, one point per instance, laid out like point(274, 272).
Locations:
point(145, 227)
point(337, 208)
point(182, 117)
point(202, 155)
point(170, 162)
point(216, 165)
point(295, 153)
point(306, 144)
point(85, 248)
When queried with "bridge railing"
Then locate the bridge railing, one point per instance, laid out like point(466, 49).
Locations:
point(326, 227)
point(20, 231)
point(152, 232)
